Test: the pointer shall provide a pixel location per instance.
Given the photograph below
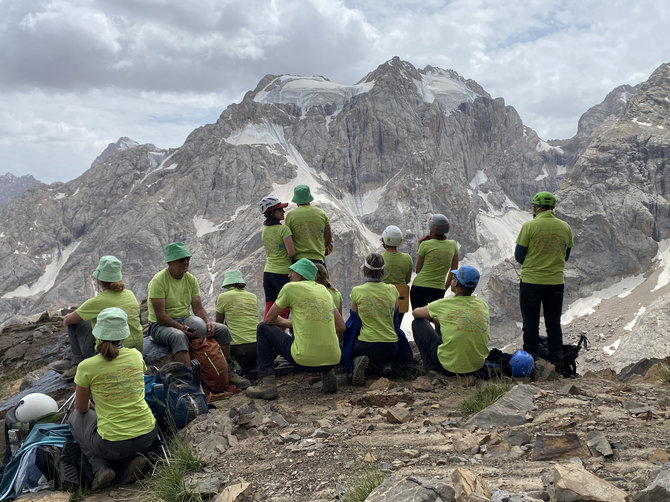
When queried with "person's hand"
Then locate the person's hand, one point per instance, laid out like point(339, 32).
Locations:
point(210, 328)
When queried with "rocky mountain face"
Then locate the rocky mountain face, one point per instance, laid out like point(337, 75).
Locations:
point(397, 146)
point(12, 186)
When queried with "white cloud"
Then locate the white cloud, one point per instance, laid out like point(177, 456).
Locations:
point(78, 74)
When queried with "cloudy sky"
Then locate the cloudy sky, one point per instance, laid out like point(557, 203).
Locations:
point(76, 75)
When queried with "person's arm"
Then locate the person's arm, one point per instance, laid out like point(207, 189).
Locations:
point(419, 263)
point(72, 318)
point(162, 317)
point(354, 307)
point(567, 254)
point(422, 313)
point(273, 317)
point(220, 318)
point(520, 253)
point(327, 235)
point(288, 244)
point(81, 399)
point(340, 325)
point(450, 275)
point(199, 310)
point(408, 276)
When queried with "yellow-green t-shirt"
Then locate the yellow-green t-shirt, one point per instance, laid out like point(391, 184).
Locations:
point(278, 261)
point(126, 301)
point(178, 294)
point(316, 342)
point(117, 387)
point(307, 224)
point(337, 297)
point(376, 303)
point(547, 239)
point(464, 324)
point(240, 308)
point(396, 266)
point(437, 256)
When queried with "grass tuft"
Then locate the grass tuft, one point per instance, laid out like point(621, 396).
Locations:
point(166, 484)
point(362, 485)
point(484, 397)
point(665, 375)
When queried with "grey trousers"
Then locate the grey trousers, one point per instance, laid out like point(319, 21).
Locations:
point(84, 427)
point(82, 341)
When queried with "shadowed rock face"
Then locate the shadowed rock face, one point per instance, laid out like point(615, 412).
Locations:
point(12, 186)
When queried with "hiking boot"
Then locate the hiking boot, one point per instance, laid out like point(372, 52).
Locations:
point(266, 389)
point(387, 370)
point(133, 470)
point(103, 478)
point(68, 375)
point(61, 365)
point(358, 375)
point(238, 381)
point(328, 382)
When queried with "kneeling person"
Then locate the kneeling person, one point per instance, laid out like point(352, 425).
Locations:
point(315, 323)
point(462, 321)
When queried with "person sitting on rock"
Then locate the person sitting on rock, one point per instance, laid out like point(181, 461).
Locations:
point(375, 302)
point(315, 322)
point(120, 425)
point(437, 257)
point(398, 266)
point(457, 345)
point(238, 308)
point(310, 226)
point(81, 322)
point(173, 292)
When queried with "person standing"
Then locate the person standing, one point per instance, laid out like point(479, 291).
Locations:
point(279, 250)
point(542, 247)
point(173, 292)
point(437, 257)
point(397, 267)
point(310, 227)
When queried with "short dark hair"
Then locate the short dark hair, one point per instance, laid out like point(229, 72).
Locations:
point(374, 260)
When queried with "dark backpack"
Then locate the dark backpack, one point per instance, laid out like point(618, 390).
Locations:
point(174, 397)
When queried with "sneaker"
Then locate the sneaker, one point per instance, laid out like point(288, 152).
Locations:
point(103, 478)
point(328, 382)
point(387, 370)
point(238, 381)
point(61, 365)
point(266, 389)
point(133, 471)
point(358, 375)
point(68, 375)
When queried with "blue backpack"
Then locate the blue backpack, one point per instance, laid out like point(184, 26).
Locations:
point(174, 397)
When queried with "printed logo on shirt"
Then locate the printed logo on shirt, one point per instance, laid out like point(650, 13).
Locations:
point(546, 243)
point(375, 307)
point(314, 309)
point(438, 258)
point(118, 385)
point(240, 307)
point(468, 320)
point(307, 229)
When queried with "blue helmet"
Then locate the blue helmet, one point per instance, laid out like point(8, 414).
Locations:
point(522, 364)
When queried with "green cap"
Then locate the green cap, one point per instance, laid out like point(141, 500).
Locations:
point(305, 268)
point(109, 269)
point(112, 325)
point(175, 251)
point(302, 195)
point(232, 277)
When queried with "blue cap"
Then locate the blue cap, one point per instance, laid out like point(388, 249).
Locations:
point(467, 276)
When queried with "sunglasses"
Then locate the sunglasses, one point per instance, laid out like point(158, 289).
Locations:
point(184, 260)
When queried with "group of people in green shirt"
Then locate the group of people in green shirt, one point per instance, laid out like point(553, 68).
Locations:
point(302, 320)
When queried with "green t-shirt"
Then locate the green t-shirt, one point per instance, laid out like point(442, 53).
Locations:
point(464, 324)
point(437, 256)
point(547, 239)
point(396, 266)
point(337, 297)
point(278, 261)
point(117, 388)
point(126, 301)
point(240, 308)
point(178, 294)
point(316, 342)
point(307, 224)
point(376, 303)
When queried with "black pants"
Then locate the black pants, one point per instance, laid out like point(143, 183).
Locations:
point(420, 296)
point(379, 353)
point(271, 341)
point(244, 354)
point(272, 284)
point(550, 298)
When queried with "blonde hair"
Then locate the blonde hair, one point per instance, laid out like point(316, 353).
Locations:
point(114, 286)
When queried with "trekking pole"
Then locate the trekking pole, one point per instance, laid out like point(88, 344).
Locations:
point(68, 403)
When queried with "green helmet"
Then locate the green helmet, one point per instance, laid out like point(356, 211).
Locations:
point(544, 199)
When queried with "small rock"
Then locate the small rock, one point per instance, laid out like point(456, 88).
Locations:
point(659, 456)
point(554, 447)
point(598, 444)
point(397, 415)
point(572, 482)
point(369, 458)
point(467, 483)
point(411, 453)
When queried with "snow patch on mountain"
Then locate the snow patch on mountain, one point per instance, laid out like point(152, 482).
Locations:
point(438, 85)
point(498, 233)
point(366, 203)
point(663, 256)
point(48, 278)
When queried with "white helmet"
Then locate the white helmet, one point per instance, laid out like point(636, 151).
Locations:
point(34, 406)
point(270, 201)
point(392, 236)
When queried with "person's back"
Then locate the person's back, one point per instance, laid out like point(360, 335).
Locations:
point(547, 239)
point(376, 302)
point(307, 224)
point(437, 259)
point(240, 310)
point(398, 266)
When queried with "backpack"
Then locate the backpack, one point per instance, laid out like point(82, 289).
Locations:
point(568, 366)
point(174, 396)
point(213, 365)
